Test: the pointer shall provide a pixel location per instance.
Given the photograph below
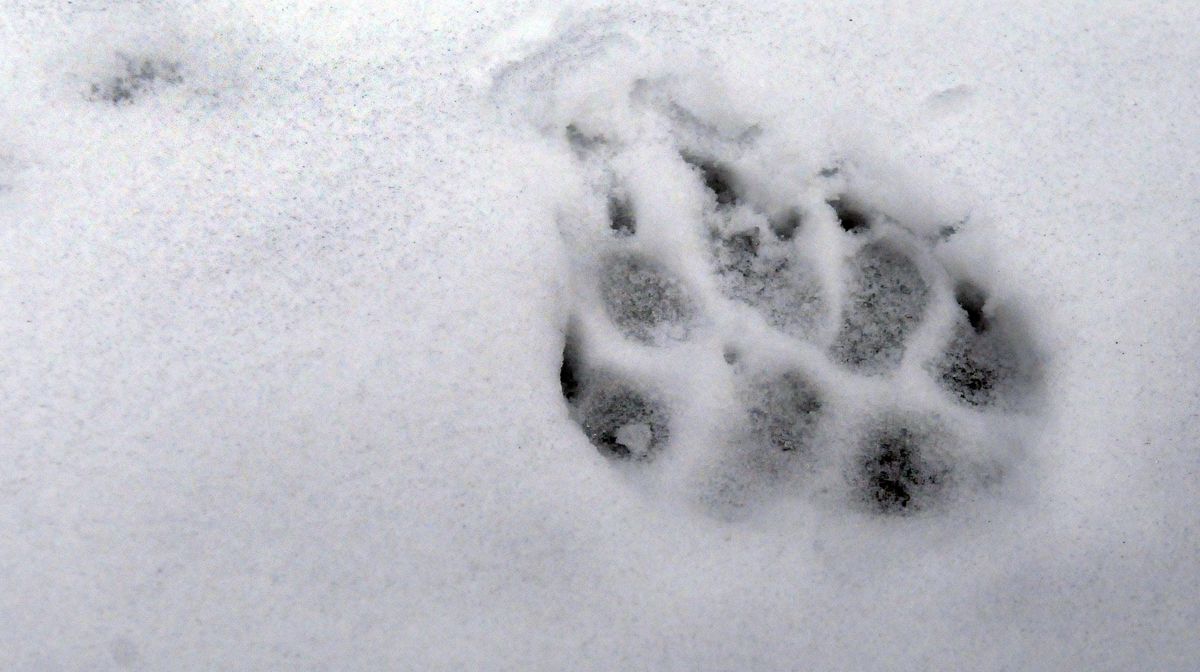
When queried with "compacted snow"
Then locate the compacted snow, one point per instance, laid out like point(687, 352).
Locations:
point(764, 336)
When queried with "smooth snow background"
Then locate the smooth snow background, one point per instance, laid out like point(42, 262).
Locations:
point(278, 386)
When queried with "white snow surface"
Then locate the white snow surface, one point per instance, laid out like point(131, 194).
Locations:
point(280, 336)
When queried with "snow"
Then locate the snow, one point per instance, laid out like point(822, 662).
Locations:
point(281, 333)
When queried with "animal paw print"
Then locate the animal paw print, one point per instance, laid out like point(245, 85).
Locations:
point(794, 342)
point(755, 320)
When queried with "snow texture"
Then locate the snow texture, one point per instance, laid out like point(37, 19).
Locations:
point(591, 335)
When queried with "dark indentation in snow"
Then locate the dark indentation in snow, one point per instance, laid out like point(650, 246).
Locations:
point(742, 249)
point(730, 355)
point(568, 373)
point(784, 412)
point(785, 226)
point(969, 379)
point(645, 301)
point(620, 216)
point(717, 179)
point(763, 274)
point(885, 305)
point(622, 421)
point(971, 299)
point(983, 365)
point(139, 75)
point(850, 217)
point(896, 472)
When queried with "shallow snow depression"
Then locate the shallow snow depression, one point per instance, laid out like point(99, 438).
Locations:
point(758, 337)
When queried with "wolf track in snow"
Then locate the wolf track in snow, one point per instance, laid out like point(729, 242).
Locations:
point(748, 321)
